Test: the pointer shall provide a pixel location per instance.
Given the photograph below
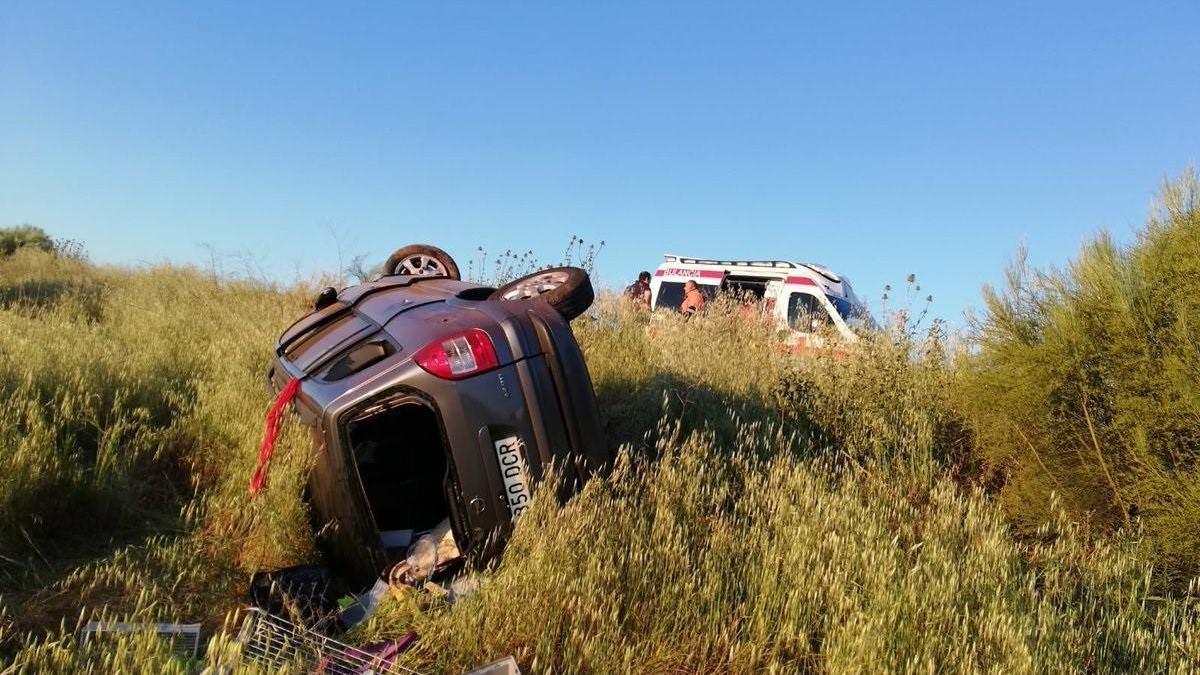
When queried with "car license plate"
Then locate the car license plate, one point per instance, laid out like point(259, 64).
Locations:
point(510, 452)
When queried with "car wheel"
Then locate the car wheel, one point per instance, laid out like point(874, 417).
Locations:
point(567, 289)
point(421, 260)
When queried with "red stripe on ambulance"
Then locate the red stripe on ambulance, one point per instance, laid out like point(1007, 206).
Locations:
point(682, 272)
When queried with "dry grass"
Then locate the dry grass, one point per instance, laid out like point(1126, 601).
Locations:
point(766, 514)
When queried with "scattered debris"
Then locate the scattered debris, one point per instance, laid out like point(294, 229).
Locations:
point(505, 666)
point(305, 594)
point(395, 539)
point(433, 552)
point(462, 586)
point(363, 606)
point(276, 644)
point(184, 638)
point(387, 650)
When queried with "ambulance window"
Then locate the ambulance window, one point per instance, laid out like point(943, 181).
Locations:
point(803, 309)
point(855, 316)
point(744, 288)
point(670, 295)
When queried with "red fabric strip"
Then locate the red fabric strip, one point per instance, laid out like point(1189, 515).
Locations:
point(270, 435)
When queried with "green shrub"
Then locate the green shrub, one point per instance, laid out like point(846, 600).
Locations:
point(13, 238)
point(1087, 384)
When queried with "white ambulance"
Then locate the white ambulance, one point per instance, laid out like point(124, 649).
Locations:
point(802, 298)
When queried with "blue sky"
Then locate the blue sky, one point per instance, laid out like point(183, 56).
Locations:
point(881, 139)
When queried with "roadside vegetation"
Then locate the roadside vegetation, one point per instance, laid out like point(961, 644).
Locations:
point(1025, 504)
point(1087, 385)
point(24, 236)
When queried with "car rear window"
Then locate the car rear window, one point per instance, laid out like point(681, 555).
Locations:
point(354, 360)
point(317, 344)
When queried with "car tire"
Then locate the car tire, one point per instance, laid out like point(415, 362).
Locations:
point(567, 289)
point(325, 298)
point(421, 260)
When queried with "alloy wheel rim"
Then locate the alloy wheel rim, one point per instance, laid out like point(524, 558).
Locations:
point(421, 265)
point(536, 286)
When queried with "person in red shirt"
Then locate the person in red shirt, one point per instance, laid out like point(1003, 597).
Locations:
point(693, 299)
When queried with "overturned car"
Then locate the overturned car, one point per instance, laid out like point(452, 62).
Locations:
point(435, 406)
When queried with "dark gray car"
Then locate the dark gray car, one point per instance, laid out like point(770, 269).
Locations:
point(430, 398)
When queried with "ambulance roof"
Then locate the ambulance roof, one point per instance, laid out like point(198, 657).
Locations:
point(774, 267)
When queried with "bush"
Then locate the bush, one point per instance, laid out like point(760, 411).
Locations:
point(13, 238)
point(1085, 384)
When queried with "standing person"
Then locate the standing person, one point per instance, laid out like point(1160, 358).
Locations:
point(639, 291)
point(693, 299)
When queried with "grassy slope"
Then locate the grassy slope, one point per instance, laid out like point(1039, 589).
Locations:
point(804, 515)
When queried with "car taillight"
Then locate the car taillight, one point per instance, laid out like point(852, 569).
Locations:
point(458, 355)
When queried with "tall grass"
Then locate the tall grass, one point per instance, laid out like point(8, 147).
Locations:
point(766, 513)
point(813, 522)
point(131, 404)
point(708, 561)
